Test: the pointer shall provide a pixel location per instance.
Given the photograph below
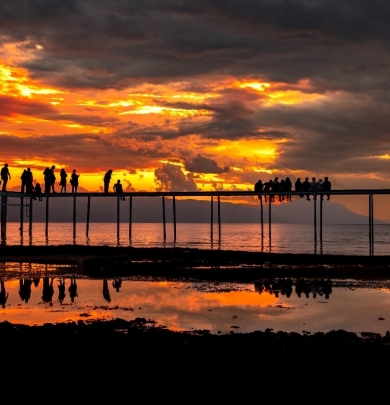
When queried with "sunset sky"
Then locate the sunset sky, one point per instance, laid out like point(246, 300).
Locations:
point(197, 95)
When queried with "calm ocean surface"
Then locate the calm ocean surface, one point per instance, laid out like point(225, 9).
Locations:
point(285, 238)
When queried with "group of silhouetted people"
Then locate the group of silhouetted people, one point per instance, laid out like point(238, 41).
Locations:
point(284, 286)
point(49, 179)
point(284, 186)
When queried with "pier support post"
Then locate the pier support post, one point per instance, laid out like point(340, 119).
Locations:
point(21, 215)
point(30, 218)
point(3, 216)
point(321, 201)
point(211, 220)
point(219, 218)
point(174, 218)
point(47, 217)
point(269, 219)
point(130, 216)
point(261, 217)
point(164, 224)
point(315, 218)
point(88, 214)
point(117, 218)
point(74, 217)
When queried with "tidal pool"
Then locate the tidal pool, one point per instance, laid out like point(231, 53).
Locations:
point(218, 307)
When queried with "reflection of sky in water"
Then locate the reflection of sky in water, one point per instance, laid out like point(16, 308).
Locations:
point(216, 307)
point(298, 238)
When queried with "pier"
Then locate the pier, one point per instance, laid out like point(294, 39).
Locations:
point(26, 203)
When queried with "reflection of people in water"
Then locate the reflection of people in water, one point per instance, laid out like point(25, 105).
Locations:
point(117, 283)
point(25, 289)
point(3, 294)
point(36, 281)
point(73, 288)
point(106, 291)
point(61, 290)
point(48, 290)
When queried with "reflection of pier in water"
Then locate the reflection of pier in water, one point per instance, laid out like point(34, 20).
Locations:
point(303, 287)
point(26, 203)
point(215, 306)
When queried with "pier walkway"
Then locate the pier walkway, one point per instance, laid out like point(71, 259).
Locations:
point(26, 204)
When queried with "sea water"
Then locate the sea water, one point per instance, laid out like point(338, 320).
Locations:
point(281, 238)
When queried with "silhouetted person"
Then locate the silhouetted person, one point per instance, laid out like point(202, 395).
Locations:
point(74, 181)
point(47, 180)
point(288, 187)
point(47, 291)
point(5, 175)
point(117, 283)
point(259, 188)
point(3, 294)
point(36, 281)
point(118, 189)
point(320, 187)
point(52, 178)
point(29, 181)
point(282, 187)
point(298, 186)
point(267, 188)
point(38, 192)
point(106, 291)
point(73, 288)
point(306, 187)
point(327, 186)
point(107, 179)
point(63, 176)
point(23, 178)
point(25, 289)
point(274, 187)
point(61, 290)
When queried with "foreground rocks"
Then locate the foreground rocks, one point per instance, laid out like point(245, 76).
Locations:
point(108, 345)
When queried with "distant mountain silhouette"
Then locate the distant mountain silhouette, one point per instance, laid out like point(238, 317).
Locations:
point(149, 209)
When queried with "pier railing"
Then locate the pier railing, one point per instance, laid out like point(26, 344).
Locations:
point(26, 201)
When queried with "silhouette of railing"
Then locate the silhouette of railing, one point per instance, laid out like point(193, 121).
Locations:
point(27, 201)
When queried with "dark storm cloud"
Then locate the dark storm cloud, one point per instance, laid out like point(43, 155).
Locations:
point(171, 178)
point(340, 45)
point(13, 106)
point(85, 152)
point(201, 164)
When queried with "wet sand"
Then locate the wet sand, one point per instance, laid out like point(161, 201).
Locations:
point(107, 345)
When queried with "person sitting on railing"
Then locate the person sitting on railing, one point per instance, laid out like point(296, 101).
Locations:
point(267, 188)
point(118, 189)
point(313, 185)
point(259, 188)
point(327, 186)
point(306, 187)
point(38, 192)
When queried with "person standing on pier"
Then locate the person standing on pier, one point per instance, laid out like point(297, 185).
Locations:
point(74, 181)
point(5, 175)
point(23, 178)
point(107, 179)
point(63, 176)
point(29, 181)
point(52, 179)
point(46, 179)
